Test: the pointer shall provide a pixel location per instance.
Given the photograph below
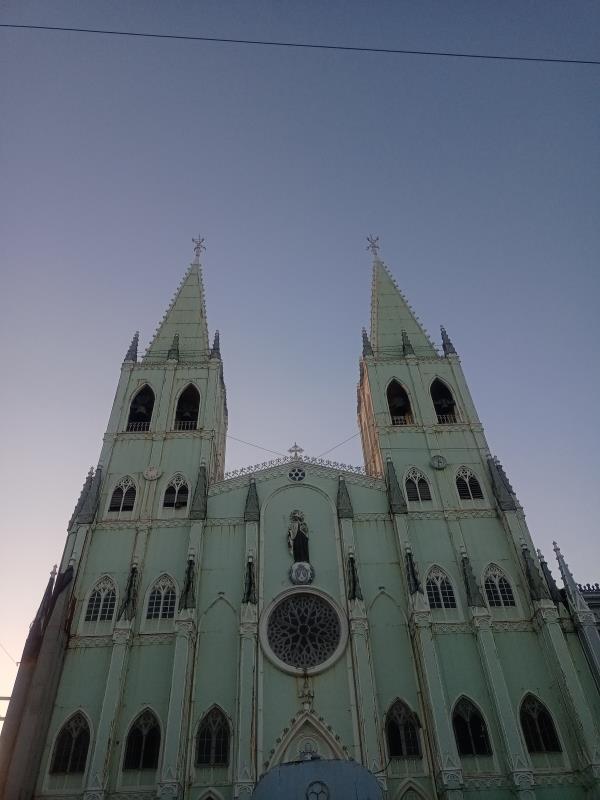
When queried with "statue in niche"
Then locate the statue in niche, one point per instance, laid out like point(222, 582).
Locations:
point(298, 537)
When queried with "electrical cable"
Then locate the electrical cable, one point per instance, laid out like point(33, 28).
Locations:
point(250, 444)
point(307, 45)
point(16, 663)
point(354, 435)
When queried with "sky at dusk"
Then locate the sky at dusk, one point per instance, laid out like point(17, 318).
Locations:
point(480, 177)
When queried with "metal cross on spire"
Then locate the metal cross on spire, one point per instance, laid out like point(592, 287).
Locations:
point(295, 450)
point(373, 245)
point(199, 246)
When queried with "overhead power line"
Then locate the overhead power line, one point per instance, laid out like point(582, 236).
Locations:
point(307, 45)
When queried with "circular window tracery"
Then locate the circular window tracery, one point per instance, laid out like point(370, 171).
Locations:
point(297, 474)
point(304, 630)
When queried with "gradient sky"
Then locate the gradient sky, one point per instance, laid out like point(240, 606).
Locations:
point(480, 177)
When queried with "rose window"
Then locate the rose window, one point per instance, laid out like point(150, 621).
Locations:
point(303, 630)
point(297, 474)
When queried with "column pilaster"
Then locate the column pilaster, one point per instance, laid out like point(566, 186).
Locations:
point(98, 773)
point(520, 765)
point(245, 763)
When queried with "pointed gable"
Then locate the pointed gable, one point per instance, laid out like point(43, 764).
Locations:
point(391, 317)
point(186, 319)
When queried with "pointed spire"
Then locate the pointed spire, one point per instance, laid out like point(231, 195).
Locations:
point(132, 352)
point(90, 505)
point(395, 496)
point(391, 314)
point(344, 504)
point(82, 497)
point(537, 587)
point(216, 346)
point(407, 348)
point(185, 316)
point(447, 345)
point(552, 587)
point(252, 508)
point(474, 596)
point(503, 491)
point(366, 344)
point(571, 587)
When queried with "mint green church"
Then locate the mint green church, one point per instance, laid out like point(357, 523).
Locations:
point(303, 629)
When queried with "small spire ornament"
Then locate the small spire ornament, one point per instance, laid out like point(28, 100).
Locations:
point(373, 245)
point(199, 248)
point(296, 451)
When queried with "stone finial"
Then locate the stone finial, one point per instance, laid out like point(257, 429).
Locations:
point(407, 348)
point(474, 596)
point(89, 507)
point(395, 496)
point(537, 587)
point(344, 504)
point(572, 589)
point(132, 352)
point(215, 351)
point(373, 246)
point(173, 354)
point(552, 587)
point(503, 491)
point(199, 248)
point(447, 345)
point(200, 501)
point(252, 508)
point(367, 350)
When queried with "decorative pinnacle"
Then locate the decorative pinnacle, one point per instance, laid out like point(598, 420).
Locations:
point(295, 450)
point(446, 343)
point(216, 346)
point(373, 245)
point(367, 349)
point(131, 354)
point(199, 247)
point(54, 571)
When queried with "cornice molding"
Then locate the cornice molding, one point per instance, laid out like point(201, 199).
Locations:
point(282, 470)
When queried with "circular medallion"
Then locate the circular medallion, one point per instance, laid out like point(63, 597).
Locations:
point(304, 631)
point(301, 573)
point(438, 462)
point(297, 474)
point(151, 473)
point(317, 790)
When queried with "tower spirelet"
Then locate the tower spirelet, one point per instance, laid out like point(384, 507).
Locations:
point(447, 344)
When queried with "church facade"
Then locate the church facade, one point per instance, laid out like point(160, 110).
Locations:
point(303, 629)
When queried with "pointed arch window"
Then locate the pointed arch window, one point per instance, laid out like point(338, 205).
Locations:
point(443, 402)
point(417, 487)
point(101, 605)
point(177, 492)
point(71, 747)
point(161, 601)
point(402, 732)
point(140, 410)
point(470, 730)
point(439, 589)
point(399, 404)
point(188, 407)
point(123, 496)
point(212, 741)
point(467, 485)
point(498, 590)
point(143, 743)
point(538, 727)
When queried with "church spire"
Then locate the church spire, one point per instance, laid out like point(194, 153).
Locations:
point(393, 322)
point(185, 317)
point(572, 589)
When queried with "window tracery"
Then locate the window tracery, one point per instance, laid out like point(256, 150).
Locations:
point(161, 601)
point(303, 630)
point(212, 741)
point(470, 730)
point(123, 496)
point(498, 590)
point(102, 601)
point(467, 485)
point(402, 732)
point(439, 589)
point(538, 727)
point(417, 486)
point(143, 743)
point(71, 747)
point(177, 492)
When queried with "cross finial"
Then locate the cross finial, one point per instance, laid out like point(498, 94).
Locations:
point(295, 450)
point(373, 245)
point(199, 246)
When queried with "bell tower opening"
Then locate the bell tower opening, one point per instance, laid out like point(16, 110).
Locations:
point(443, 402)
point(399, 404)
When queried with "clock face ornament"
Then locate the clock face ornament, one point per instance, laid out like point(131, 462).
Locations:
point(438, 462)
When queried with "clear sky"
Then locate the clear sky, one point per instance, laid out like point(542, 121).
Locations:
point(481, 178)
